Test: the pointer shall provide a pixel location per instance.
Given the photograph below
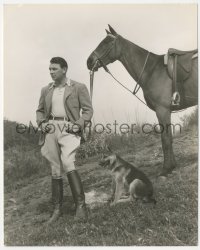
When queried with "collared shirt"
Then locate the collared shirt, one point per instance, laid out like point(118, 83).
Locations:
point(58, 108)
point(68, 82)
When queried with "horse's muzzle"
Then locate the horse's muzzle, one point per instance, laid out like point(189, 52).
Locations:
point(93, 63)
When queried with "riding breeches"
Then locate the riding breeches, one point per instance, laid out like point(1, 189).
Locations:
point(60, 148)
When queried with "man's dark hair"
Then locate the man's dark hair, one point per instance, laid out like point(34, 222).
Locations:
point(59, 60)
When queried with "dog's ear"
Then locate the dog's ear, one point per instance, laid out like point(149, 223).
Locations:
point(104, 160)
point(112, 159)
point(109, 149)
point(104, 156)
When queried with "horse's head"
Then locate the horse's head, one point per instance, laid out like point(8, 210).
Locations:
point(105, 53)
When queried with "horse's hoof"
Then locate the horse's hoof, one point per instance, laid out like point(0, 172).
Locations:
point(165, 172)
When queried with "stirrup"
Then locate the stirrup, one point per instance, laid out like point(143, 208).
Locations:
point(176, 99)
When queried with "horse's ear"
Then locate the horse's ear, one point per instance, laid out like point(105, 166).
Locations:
point(108, 32)
point(113, 32)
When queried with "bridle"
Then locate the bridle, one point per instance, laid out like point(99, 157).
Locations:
point(101, 63)
point(100, 57)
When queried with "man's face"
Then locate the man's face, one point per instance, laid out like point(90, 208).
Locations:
point(56, 72)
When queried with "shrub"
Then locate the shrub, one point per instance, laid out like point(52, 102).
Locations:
point(22, 157)
point(190, 120)
point(100, 143)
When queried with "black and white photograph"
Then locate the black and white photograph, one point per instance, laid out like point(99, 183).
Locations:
point(100, 124)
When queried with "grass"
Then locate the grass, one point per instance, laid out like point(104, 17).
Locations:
point(172, 222)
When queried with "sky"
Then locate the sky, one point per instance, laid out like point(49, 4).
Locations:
point(33, 34)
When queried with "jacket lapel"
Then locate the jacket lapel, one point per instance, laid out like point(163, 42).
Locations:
point(48, 99)
point(68, 90)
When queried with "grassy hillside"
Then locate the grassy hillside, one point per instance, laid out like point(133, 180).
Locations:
point(22, 157)
point(173, 221)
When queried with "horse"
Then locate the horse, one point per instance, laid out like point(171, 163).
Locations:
point(150, 72)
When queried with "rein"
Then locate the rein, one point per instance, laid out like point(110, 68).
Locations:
point(108, 71)
point(137, 86)
point(132, 92)
point(99, 61)
point(92, 79)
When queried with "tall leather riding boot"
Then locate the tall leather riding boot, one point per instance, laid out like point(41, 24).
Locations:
point(78, 194)
point(57, 199)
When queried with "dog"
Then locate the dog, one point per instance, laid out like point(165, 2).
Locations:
point(127, 177)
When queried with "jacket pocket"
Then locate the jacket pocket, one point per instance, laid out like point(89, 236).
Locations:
point(73, 102)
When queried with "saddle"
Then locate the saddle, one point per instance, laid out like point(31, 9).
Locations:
point(179, 65)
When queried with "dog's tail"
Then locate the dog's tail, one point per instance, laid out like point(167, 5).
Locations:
point(153, 201)
point(149, 200)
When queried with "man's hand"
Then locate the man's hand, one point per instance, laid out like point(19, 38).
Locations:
point(72, 128)
point(46, 127)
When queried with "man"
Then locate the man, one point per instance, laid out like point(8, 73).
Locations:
point(58, 114)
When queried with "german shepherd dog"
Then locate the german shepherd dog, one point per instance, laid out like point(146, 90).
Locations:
point(127, 177)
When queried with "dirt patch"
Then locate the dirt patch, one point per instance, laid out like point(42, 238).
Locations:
point(95, 198)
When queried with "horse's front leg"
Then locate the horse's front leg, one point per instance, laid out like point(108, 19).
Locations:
point(164, 118)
